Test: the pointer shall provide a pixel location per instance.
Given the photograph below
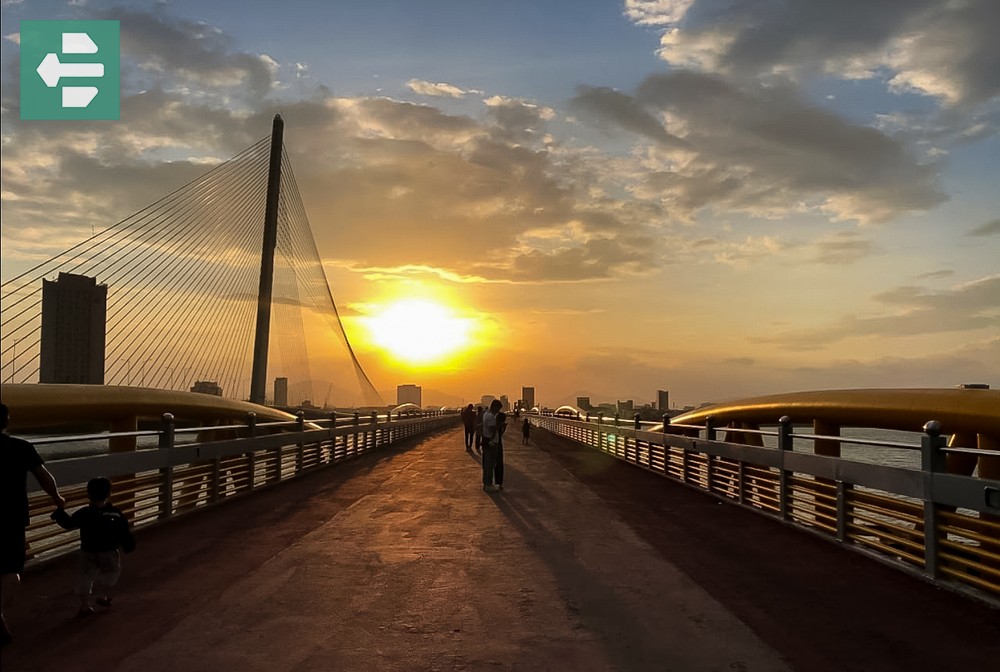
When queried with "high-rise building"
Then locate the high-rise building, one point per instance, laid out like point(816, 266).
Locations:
point(528, 397)
point(663, 400)
point(583, 403)
point(504, 403)
point(486, 400)
point(281, 391)
point(408, 394)
point(625, 406)
point(74, 313)
point(207, 387)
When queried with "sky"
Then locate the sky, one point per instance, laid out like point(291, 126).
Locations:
point(720, 199)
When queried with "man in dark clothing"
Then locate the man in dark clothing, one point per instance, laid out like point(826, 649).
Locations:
point(17, 459)
point(104, 533)
point(469, 420)
point(494, 425)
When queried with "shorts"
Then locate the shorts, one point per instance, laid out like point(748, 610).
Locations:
point(103, 567)
point(13, 550)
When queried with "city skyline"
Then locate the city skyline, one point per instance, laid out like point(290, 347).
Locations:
point(601, 200)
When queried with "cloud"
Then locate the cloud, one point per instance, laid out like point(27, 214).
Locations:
point(935, 47)
point(437, 90)
point(172, 52)
point(625, 111)
point(911, 311)
point(517, 120)
point(844, 247)
point(991, 228)
point(764, 151)
point(657, 12)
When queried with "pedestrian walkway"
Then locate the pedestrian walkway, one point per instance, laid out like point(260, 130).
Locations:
point(399, 561)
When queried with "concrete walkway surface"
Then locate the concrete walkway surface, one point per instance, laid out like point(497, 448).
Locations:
point(399, 561)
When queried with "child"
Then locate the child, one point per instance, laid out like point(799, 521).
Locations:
point(104, 533)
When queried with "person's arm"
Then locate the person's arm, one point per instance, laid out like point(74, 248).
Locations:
point(126, 539)
point(64, 520)
point(48, 483)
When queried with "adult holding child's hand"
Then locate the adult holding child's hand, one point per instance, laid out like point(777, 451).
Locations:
point(17, 459)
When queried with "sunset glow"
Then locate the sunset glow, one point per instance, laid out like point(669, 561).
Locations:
point(418, 331)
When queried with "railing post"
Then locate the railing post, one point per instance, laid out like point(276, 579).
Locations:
point(301, 448)
point(251, 457)
point(617, 418)
point(166, 443)
point(666, 446)
point(710, 428)
point(600, 439)
point(332, 436)
point(785, 442)
point(933, 460)
point(843, 492)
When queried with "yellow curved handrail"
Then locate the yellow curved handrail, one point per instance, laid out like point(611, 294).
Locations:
point(48, 405)
point(958, 410)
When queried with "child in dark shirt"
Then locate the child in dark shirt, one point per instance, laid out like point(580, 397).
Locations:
point(104, 534)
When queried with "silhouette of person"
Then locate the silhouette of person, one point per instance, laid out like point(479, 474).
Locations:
point(469, 420)
point(17, 459)
point(478, 428)
point(491, 446)
point(525, 431)
point(104, 534)
point(494, 424)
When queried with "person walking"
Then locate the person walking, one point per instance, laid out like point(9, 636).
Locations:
point(478, 428)
point(525, 431)
point(104, 534)
point(469, 421)
point(494, 424)
point(18, 458)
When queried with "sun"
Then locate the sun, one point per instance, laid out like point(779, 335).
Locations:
point(419, 331)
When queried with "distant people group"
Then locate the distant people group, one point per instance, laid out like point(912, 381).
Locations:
point(104, 530)
point(484, 434)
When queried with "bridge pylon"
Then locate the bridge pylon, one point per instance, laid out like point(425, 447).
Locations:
point(258, 380)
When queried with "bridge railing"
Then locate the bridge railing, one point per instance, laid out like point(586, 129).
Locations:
point(944, 527)
point(188, 469)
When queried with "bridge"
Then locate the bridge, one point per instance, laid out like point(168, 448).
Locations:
point(397, 560)
point(602, 567)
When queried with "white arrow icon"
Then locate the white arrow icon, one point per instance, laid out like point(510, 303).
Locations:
point(51, 70)
point(78, 96)
point(78, 43)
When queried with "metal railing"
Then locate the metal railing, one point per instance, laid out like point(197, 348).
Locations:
point(944, 527)
point(174, 477)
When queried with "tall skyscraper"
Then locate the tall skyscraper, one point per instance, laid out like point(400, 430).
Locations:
point(74, 313)
point(504, 403)
point(408, 394)
point(662, 400)
point(528, 397)
point(281, 391)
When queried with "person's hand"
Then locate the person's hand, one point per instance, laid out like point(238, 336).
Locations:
point(60, 501)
